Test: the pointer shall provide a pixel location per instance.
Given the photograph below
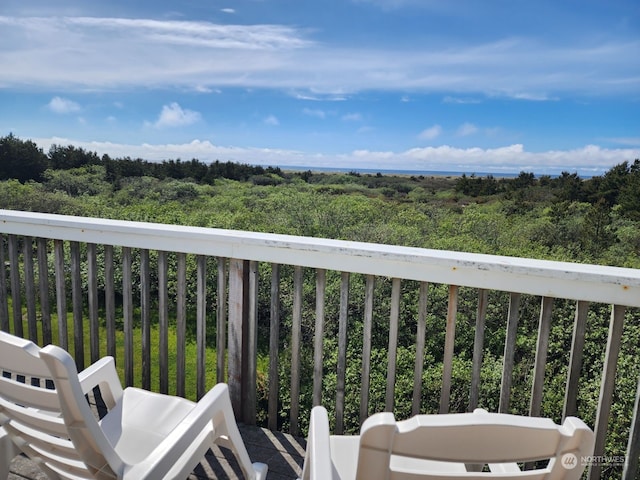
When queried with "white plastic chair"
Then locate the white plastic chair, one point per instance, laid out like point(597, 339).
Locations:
point(451, 446)
point(144, 435)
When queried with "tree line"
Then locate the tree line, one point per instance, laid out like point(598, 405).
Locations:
point(618, 186)
point(23, 160)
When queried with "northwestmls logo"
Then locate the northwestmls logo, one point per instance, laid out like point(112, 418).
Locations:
point(569, 461)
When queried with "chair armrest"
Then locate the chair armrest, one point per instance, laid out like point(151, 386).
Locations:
point(214, 408)
point(103, 374)
point(317, 461)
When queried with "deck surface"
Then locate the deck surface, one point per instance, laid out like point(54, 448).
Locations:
point(283, 453)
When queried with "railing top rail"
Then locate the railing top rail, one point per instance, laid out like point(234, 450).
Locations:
point(594, 283)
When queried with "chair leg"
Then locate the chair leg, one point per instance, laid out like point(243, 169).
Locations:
point(8, 451)
point(229, 428)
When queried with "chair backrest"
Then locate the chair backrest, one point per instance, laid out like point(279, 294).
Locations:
point(483, 439)
point(31, 412)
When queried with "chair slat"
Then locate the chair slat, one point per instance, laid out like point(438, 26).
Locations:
point(29, 396)
point(468, 443)
point(47, 422)
point(44, 432)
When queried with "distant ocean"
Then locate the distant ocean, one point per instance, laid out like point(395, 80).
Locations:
point(373, 171)
point(425, 173)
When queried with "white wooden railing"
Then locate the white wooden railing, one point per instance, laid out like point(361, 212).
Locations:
point(66, 248)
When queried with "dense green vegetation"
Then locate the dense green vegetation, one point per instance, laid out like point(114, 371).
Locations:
point(591, 220)
point(595, 220)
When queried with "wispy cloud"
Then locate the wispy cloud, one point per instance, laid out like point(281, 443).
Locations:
point(271, 120)
point(203, 34)
point(107, 53)
point(227, 10)
point(460, 100)
point(352, 117)
point(314, 113)
point(63, 105)
point(466, 129)
point(394, 4)
point(173, 115)
point(431, 133)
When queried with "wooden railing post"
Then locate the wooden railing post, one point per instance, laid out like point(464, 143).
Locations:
point(234, 344)
point(242, 340)
point(607, 386)
point(250, 367)
point(4, 304)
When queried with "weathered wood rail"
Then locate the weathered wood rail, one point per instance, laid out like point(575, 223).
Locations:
point(96, 259)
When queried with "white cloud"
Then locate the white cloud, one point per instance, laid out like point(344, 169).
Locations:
point(466, 129)
point(228, 10)
point(271, 120)
point(460, 100)
point(588, 160)
point(173, 115)
point(112, 53)
point(431, 133)
point(63, 105)
point(314, 113)
point(352, 117)
point(394, 4)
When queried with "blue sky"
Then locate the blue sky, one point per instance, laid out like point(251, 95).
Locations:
point(433, 85)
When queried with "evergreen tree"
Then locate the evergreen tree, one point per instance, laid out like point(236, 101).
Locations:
point(22, 160)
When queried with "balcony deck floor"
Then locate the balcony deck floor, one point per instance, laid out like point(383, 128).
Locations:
point(283, 453)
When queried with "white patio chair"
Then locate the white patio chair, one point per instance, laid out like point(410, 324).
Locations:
point(451, 446)
point(144, 435)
